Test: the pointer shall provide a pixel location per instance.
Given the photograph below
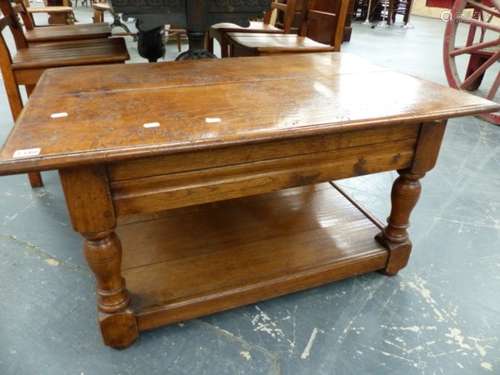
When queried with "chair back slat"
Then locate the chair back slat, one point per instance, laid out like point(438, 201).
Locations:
point(285, 16)
point(20, 9)
point(15, 27)
point(4, 22)
point(11, 87)
point(323, 26)
point(319, 25)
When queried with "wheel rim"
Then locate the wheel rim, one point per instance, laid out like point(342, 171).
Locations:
point(481, 49)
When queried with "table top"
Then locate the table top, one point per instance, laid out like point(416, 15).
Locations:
point(86, 115)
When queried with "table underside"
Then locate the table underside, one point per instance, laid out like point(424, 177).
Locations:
point(192, 261)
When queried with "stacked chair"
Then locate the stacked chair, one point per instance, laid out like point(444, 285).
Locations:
point(58, 14)
point(58, 33)
point(286, 13)
point(320, 31)
point(27, 65)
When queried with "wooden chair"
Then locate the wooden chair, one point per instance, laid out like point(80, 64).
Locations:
point(58, 14)
point(178, 34)
point(284, 20)
point(27, 65)
point(58, 33)
point(320, 32)
point(100, 7)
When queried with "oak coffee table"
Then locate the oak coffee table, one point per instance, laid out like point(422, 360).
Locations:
point(203, 185)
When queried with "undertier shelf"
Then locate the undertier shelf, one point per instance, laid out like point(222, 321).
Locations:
point(193, 261)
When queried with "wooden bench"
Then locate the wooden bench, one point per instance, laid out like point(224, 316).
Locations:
point(186, 163)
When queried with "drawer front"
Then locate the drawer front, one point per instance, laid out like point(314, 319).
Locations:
point(186, 162)
point(157, 184)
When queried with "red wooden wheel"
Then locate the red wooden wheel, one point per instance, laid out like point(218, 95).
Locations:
point(472, 49)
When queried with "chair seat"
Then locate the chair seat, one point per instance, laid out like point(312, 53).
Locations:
point(101, 6)
point(254, 27)
point(61, 33)
point(81, 52)
point(272, 43)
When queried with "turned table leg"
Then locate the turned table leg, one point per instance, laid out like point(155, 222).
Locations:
point(405, 193)
point(92, 214)
point(103, 253)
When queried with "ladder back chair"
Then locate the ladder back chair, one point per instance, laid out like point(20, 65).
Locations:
point(58, 14)
point(27, 65)
point(279, 19)
point(58, 33)
point(320, 31)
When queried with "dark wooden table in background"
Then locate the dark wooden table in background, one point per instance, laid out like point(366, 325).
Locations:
point(187, 163)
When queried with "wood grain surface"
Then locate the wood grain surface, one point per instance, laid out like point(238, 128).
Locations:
point(208, 104)
point(197, 260)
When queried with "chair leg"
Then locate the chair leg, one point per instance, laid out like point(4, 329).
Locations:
point(98, 16)
point(406, 18)
point(224, 48)
point(35, 179)
point(210, 44)
point(29, 89)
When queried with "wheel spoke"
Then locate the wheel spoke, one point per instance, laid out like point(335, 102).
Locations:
point(494, 88)
point(481, 6)
point(480, 70)
point(474, 48)
point(483, 25)
point(483, 31)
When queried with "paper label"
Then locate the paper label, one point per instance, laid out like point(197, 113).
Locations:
point(59, 115)
point(212, 120)
point(27, 152)
point(149, 125)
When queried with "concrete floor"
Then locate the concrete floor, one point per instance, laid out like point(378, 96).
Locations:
point(440, 315)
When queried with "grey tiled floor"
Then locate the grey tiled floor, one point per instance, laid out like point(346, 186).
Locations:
point(440, 315)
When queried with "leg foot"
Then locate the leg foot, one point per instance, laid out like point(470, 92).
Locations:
point(118, 330)
point(399, 254)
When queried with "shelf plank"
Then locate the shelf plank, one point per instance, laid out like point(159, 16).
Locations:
point(190, 261)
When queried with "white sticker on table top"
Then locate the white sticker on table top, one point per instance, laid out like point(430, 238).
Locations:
point(59, 115)
point(212, 120)
point(149, 125)
point(27, 152)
